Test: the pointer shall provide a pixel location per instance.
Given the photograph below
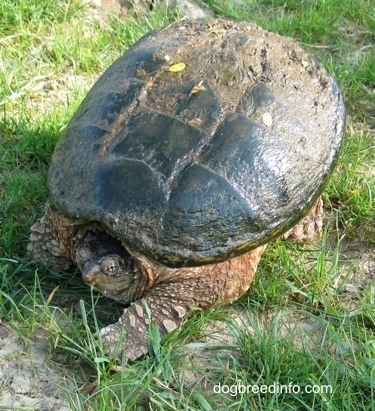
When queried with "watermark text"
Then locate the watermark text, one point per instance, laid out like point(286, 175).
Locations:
point(275, 388)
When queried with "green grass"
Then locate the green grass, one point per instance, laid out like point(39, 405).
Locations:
point(46, 68)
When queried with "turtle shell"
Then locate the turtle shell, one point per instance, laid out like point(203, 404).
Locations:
point(205, 140)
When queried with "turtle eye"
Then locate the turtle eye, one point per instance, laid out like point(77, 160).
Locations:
point(110, 265)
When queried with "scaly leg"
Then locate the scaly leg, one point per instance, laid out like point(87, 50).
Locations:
point(310, 227)
point(168, 302)
point(44, 245)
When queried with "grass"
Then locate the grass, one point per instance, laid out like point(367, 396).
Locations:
point(46, 68)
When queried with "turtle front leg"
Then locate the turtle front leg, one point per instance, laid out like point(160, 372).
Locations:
point(129, 336)
point(173, 296)
point(44, 245)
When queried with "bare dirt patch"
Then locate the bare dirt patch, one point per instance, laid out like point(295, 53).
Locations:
point(357, 271)
point(28, 378)
point(103, 9)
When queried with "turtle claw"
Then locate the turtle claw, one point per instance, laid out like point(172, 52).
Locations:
point(119, 347)
point(127, 339)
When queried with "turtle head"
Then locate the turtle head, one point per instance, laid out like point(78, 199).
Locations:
point(107, 266)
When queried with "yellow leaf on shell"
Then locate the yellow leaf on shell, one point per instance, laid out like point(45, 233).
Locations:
point(175, 68)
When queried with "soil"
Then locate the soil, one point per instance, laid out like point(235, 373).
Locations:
point(28, 378)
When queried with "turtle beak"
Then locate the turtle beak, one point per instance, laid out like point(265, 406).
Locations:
point(90, 272)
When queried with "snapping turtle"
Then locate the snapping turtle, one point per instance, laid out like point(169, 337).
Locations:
point(204, 142)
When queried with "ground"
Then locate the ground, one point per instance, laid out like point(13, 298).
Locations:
point(29, 377)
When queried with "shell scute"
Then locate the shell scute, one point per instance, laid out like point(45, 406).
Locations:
point(164, 154)
point(141, 188)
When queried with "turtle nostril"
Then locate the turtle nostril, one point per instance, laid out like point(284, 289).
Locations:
point(90, 273)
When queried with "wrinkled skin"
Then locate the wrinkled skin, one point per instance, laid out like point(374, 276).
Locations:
point(156, 293)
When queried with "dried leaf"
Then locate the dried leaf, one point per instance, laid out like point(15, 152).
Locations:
point(175, 68)
point(196, 122)
point(52, 294)
point(197, 88)
point(141, 73)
